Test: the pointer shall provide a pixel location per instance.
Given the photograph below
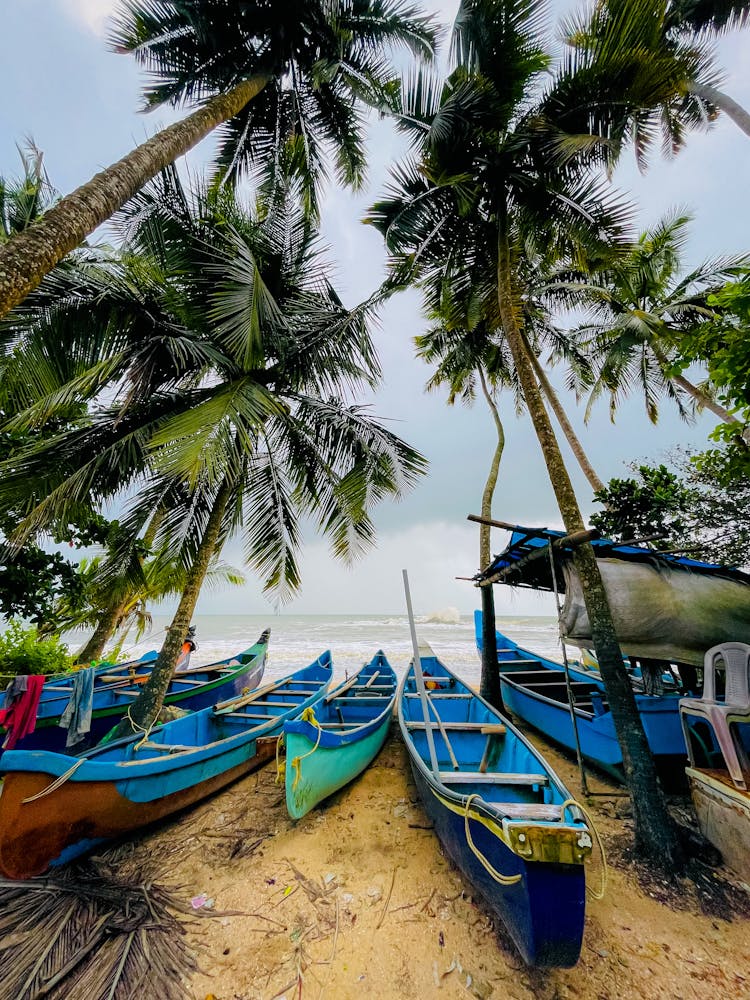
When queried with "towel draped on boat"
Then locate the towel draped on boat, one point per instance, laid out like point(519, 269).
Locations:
point(76, 717)
point(18, 714)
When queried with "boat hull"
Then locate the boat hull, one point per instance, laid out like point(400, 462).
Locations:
point(68, 827)
point(543, 912)
point(723, 816)
point(327, 768)
point(49, 735)
point(114, 789)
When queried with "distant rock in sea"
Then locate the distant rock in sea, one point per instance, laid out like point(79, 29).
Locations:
point(445, 616)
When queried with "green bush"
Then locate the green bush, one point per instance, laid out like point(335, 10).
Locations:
point(22, 652)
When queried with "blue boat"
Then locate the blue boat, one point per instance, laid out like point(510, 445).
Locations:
point(331, 745)
point(500, 812)
point(117, 686)
point(54, 808)
point(534, 689)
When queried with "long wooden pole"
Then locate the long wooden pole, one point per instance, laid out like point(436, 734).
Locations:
point(419, 678)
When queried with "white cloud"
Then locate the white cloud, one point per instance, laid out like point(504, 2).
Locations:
point(92, 14)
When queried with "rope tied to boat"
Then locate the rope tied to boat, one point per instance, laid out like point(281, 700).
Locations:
point(307, 716)
point(599, 893)
point(498, 876)
point(56, 783)
point(280, 765)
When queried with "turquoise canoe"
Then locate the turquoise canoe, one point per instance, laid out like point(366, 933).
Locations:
point(335, 741)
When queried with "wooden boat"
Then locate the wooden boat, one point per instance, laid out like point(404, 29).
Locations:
point(500, 812)
point(54, 808)
point(717, 733)
point(117, 686)
point(349, 726)
point(534, 689)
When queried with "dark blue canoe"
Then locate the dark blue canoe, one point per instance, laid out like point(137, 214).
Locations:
point(501, 813)
point(54, 808)
point(534, 690)
point(117, 686)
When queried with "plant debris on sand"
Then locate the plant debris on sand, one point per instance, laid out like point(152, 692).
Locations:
point(91, 932)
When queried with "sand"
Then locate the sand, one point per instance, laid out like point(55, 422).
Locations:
point(356, 900)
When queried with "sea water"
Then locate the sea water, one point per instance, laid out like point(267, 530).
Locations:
point(297, 640)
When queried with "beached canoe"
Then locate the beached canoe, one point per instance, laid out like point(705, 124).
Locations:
point(116, 688)
point(500, 812)
point(534, 689)
point(54, 808)
point(337, 740)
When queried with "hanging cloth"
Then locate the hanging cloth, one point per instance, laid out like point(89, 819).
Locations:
point(18, 715)
point(76, 717)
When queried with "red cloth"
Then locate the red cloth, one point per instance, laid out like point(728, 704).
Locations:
point(20, 717)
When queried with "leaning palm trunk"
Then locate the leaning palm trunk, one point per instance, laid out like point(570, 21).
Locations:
point(148, 703)
point(575, 445)
point(28, 256)
point(490, 681)
point(723, 102)
point(654, 831)
point(103, 632)
point(703, 400)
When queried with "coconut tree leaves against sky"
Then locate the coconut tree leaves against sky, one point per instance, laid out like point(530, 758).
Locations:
point(230, 389)
point(309, 64)
point(501, 163)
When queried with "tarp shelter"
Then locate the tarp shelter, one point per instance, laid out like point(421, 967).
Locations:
point(664, 606)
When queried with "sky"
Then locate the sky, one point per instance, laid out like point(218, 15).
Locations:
point(79, 102)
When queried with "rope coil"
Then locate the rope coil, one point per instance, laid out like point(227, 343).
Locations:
point(307, 716)
point(498, 876)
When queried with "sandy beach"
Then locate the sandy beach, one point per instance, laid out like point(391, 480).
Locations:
point(357, 900)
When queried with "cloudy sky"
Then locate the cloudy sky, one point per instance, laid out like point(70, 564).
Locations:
point(79, 101)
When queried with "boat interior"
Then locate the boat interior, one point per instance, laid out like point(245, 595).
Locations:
point(242, 715)
point(360, 699)
point(476, 751)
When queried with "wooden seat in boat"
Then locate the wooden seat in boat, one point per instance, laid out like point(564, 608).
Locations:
point(496, 777)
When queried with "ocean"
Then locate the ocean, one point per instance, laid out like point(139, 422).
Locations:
point(297, 640)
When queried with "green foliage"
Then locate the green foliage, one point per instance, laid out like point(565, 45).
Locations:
point(653, 503)
point(699, 504)
point(723, 343)
point(23, 651)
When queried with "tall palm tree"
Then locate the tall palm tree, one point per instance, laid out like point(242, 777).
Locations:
point(656, 68)
point(267, 73)
point(489, 176)
point(230, 364)
point(467, 361)
point(24, 199)
point(639, 304)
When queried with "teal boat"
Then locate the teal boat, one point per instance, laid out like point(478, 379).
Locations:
point(333, 742)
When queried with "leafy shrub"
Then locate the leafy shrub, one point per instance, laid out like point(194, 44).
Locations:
point(22, 652)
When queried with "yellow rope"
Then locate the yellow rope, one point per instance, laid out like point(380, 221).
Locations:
point(498, 876)
point(56, 783)
point(599, 894)
point(307, 716)
point(280, 766)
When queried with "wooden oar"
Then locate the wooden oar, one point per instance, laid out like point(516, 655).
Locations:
point(443, 733)
point(419, 677)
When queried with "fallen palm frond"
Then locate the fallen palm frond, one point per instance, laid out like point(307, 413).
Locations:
point(90, 933)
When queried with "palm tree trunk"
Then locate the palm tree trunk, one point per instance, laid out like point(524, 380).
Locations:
point(654, 831)
point(703, 400)
point(114, 612)
point(490, 682)
point(102, 633)
point(29, 255)
point(575, 445)
point(724, 103)
point(148, 703)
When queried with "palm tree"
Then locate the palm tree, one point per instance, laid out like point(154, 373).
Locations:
point(111, 608)
point(639, 305)
point(464, 360)
point(489, 177)
point(268, 74)
point(656, 69)
point(24, 199)
point(230, 363)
